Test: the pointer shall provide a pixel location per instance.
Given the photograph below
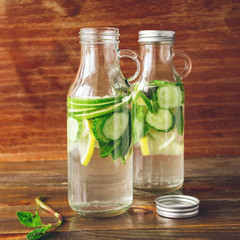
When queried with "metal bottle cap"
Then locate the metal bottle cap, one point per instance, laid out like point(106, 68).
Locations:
point(177, 206)
point(156, 36)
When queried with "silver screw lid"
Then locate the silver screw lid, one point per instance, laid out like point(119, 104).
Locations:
point(156, 36)
point(177, 206)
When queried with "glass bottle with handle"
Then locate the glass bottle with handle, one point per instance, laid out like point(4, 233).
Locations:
point(99, 127)
point(158, 114)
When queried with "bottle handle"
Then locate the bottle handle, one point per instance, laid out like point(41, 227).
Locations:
point(135, 57)
point(187, 62)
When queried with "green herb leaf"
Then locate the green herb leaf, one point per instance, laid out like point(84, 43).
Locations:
point(138, 122)
point(29, 220)
point(106, 148)
point(37, 233)
point(139, 112)
point(123, 160)
point(122, 145)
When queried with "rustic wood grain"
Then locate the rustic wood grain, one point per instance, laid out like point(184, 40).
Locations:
point(39, 56)
point(218, 189)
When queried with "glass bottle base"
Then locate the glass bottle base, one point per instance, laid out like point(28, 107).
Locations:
point(158, 187)
point(100, 209)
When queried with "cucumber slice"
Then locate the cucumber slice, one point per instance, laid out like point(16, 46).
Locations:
point(114, 126)
point(162, 120)
point(73, 129)
point(169, 96)
point(96, 127)
point(106, 110)
point(85, 106)
point(159, 83)
point(94, 101)
point(179, 120)
point(82, 111)
point(78, 106)
point(121, 150)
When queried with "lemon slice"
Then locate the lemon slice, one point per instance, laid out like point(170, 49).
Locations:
point(156, 142)
point(144, 146)
point(173, 148)
point(86, 143)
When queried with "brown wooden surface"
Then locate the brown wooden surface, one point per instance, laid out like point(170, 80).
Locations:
point(39, 56)
point(215, 181)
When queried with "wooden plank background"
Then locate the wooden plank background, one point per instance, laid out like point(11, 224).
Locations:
point(39, 57)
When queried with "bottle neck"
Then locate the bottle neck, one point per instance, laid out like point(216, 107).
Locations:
point(97, 70)
point(95, 56)
point(157, 61)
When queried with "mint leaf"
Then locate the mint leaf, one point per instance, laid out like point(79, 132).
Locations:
point(122, 145)
point(29, 220)
point(37, 233)
point(139, 112)
point(123, 160)
point(138, 122)
point(146, 129)
point(106, 148)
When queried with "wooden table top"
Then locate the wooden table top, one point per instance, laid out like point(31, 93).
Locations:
point(215, 181)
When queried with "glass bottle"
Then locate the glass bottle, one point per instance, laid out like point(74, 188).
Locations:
point(158, 115)
point(99, 127)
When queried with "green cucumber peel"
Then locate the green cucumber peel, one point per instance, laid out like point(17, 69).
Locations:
point(94, 101)
point(107, 110)
point(159, 83)
point(162, 121)
point(77, 112)
point(82, 107)
point(97, 132)
point(123, 145)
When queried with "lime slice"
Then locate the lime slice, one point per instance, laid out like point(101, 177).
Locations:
point(155, 142)
point(158, 141)
point(73, 129)
point(86, 143)
point(144, 146)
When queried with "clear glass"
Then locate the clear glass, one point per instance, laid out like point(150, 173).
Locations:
point(158, 119)
point(99, 128)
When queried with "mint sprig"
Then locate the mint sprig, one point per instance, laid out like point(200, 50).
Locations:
point(33, 220)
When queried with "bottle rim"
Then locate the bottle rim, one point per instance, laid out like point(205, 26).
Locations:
point(156, 36)
point(99, 35)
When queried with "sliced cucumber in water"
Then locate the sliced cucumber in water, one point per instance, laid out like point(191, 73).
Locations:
point(163, 120)
point(105, 110)
point(73, 129)
point(159, 83)
point(94, 101)
point(97, 131)
point(169, 96)
point(122, 148)
point(76, 106)
point(114, 126)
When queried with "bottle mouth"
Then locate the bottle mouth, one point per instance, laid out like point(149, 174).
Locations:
point(156, 36)
point(99, 35)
